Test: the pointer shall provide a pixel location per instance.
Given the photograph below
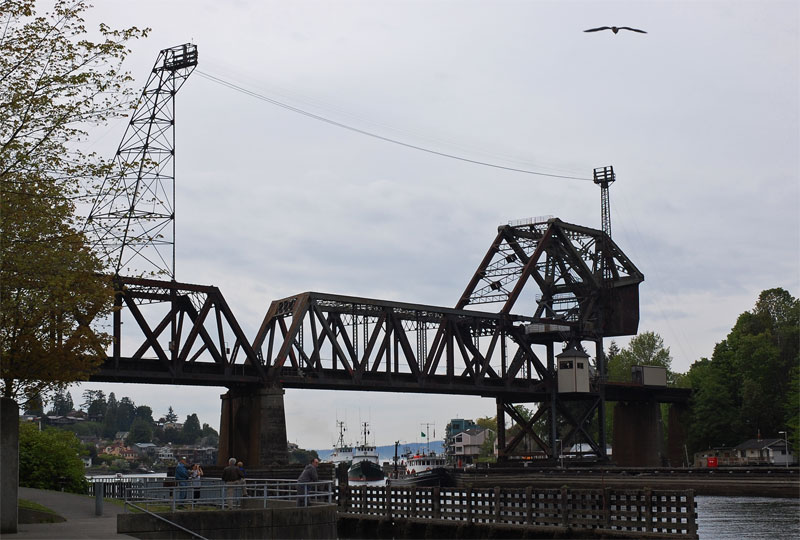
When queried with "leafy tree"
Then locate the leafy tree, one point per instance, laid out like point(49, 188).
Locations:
point(171, 417)
point(49, 457)
point(191, 429)
point(34, 405)
point(749, 387)
point(646, 349)
point(210, 437)
point(62, 403)
point(141, 432)
point(145, 413)
point(55, 83)
point(303, 457)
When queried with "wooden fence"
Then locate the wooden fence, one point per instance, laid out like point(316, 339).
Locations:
point(636, 513)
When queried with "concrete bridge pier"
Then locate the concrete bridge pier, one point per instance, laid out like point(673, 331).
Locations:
point(253, 427)
point(638, 434)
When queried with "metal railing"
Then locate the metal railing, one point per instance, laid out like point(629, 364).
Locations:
point(212, 493)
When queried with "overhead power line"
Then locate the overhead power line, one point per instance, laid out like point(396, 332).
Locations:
point(286, 106)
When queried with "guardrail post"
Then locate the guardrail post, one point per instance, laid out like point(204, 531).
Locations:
point(497, 505)
point(529, 505)
point(469, 504)
point(99, 493)
point(564, 506)
point(387, 501)
point(607, 507)
point(413, 511)
point(648, 510)
point(691, 515)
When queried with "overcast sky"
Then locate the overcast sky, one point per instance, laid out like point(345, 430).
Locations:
point(699, 118)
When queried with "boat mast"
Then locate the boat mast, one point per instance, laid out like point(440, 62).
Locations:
point(366, 432)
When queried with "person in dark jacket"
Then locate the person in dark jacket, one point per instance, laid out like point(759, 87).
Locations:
point(309, 474)
point(231, 476)
point(182, 477)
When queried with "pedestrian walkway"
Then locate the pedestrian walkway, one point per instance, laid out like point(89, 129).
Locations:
point(79, 512)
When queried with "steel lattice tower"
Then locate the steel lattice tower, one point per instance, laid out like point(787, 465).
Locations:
point(133, 216)
point(604, 177)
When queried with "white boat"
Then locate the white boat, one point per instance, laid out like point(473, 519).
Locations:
point(342, 452)
point(424, 461)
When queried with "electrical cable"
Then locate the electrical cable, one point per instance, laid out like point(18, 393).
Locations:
point(286, 106)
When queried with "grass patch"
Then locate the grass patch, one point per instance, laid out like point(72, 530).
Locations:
point(32, 512)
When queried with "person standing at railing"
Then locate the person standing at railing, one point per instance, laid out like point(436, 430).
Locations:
point(231, 476)
point(196, 475)
point(240, 492)
point(182, 477)
point(309, 474)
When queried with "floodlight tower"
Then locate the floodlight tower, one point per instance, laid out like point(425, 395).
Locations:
point(604, 177)
point(132, 221)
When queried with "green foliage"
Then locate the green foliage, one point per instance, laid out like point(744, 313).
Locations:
point(646, 349)
point(55, 83)
point(140, 432)
point(62, 403)
point(94, 403)
point(126, 410)
point(191, 429)
point(171, 416)
point(749, 387)
point(49, 457)
point(110, 417)
point(304, 457)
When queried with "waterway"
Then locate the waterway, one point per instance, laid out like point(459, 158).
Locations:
point(723, 518)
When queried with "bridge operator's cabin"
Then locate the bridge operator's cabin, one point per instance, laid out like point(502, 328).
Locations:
point(573, 371)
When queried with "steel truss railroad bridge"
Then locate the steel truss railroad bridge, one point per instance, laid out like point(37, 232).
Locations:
point(542, 282)
point(187, 334)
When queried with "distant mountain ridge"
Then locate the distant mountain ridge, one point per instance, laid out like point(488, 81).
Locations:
point(386, 452)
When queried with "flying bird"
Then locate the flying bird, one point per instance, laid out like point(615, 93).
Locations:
point(615, 29)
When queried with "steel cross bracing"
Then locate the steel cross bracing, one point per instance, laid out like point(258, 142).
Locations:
point(132, 220)
point(564, 261)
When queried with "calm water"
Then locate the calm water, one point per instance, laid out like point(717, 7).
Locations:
point(748, 517)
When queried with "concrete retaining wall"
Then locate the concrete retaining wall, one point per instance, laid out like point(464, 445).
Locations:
point(315, 522)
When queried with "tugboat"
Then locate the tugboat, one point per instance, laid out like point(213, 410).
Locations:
point(365, 467)
point(425, 470)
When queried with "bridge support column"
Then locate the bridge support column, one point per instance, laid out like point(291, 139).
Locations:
point(638, 434)
point(253, 427)
point(677, 435)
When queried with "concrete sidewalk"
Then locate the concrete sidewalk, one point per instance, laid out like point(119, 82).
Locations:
point(78, 510)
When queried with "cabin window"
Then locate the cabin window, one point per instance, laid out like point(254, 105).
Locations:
point(566, 364)
point(580, 365)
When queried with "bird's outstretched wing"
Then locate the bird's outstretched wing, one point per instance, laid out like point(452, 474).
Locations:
point(598, 29)
point(632, 29)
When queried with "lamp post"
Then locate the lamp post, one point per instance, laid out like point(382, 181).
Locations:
point(785, 447)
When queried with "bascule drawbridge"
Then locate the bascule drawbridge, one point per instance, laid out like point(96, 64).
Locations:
point(541, 283)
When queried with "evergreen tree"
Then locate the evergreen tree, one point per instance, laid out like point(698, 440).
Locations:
point(62, 403)
point(94, 403)
point(110, 418)
point(171, 417)
point(126, 410)
point(191, 429)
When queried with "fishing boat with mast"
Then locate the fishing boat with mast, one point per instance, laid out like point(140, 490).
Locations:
point(342, 452)
point(365, 467)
